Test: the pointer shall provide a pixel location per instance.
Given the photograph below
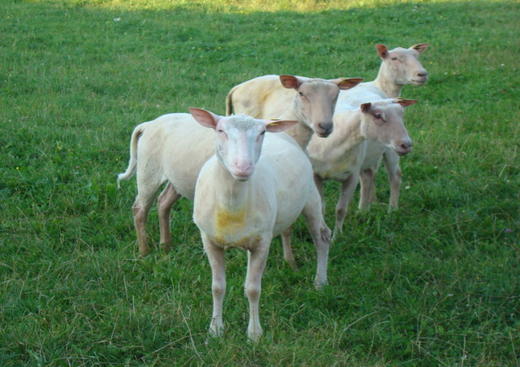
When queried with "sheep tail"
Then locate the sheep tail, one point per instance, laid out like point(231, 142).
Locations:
point(132, 164)
point(229, 101)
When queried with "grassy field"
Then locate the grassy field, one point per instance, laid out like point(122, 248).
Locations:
point(435, 284)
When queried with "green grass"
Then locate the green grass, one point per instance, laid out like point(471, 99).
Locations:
point(435, 284)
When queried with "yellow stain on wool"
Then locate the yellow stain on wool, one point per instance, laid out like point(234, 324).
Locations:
point(228, 222)
point(228, 226)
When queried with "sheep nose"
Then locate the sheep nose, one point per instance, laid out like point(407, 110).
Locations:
point(243, 166)
point(422, 74)
point(406, 145)
point(325, 128)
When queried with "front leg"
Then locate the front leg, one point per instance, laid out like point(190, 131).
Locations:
point(368, 188)
point(319, 185)
point(391, 161)
point(347, 191)
point(218, 284)
point(256, 260)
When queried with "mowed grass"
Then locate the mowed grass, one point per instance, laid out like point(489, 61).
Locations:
point(436, 283)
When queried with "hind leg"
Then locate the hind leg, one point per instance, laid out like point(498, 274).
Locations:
point(320, 236)
point(166, 199)
point(286, 235)
point(146, 189)
point(140, 210)
point(287, 248)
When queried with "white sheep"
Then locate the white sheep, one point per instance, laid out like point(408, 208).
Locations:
point(399, 67)
point(173, 148)
point(342, 155)
point(246, 195)
point(261, 98)
point(307, 100)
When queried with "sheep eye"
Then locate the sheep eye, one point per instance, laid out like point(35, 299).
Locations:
point(394, 58)
point(262, 133)
point(300, 93)
point(378, 116)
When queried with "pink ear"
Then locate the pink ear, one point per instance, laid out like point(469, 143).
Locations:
point(346, 83)
point(279, 125)
point(382, 51)
point(290, 81)
point(365, 107)
point(205, 118)
point(420, 47)
point(405, 102)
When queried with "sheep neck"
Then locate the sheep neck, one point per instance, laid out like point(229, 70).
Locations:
point(350, 130)
point(231, 194)
point(386, 83)
point(346, 137)
point(300, 132)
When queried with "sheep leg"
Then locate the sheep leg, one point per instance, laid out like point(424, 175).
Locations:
point(286, 236)
point(256, 260)
point(218, 284)
point(391, 161)
point(143, 201)
point(373, 195)
point(319, 185)
point(347, 190)
point(320, 236)
point(287, 249)
point(367, 188)
point(164, 204)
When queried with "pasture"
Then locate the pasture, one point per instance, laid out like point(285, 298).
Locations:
point(436, 283)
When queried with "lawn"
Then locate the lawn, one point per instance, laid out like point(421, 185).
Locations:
point(436, 283)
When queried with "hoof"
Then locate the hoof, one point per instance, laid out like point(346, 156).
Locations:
point(392, 209)
point(335, 235)
point(319, 284)
point(216, 331)
point(144, 251)
point(254, 337)
point(292, 264)
point(166, 247)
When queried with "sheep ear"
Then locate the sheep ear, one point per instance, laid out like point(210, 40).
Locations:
point(346, 83)
point(405, 102)
point(205, 118)
point(382, 51)
point(279, 125)
point(365, 107)
point(420, 47)
point(290, 81)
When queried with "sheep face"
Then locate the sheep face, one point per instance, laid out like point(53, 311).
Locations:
point(402, 65)
point(316, 100)
point(239, 139)
point(383, 122)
